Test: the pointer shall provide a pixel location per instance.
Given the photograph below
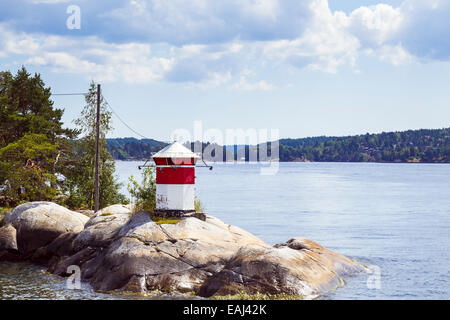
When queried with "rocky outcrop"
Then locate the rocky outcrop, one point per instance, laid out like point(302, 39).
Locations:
point(297, 267)
point(168, 257)
point(39, 223)
point(117, 250)
point(102, 227)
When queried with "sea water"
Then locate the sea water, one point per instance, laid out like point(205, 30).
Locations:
point(393, 218)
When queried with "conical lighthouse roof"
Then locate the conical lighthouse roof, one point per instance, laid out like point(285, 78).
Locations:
point(175, 150)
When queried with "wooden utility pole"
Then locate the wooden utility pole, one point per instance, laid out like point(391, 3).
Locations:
point(97, 150)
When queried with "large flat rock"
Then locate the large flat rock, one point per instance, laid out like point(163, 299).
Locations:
point(101, 229)
point(39, 223)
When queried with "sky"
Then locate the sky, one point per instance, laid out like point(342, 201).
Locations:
point(304, 67)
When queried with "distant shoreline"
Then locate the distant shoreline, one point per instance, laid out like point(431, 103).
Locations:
point(265, 162)
point(411, 146)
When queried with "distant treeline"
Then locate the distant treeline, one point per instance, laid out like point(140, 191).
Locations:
point(425, 145)
point(132, 148)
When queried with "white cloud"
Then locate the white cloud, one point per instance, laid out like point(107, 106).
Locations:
point(206, 64)
point(324, 45)
point(245, 84)
point(426, 28)
point(183, 22)
point(416, 30)
point(92, 57)
point(375, 25)
point(395, 55)
point(210, 43)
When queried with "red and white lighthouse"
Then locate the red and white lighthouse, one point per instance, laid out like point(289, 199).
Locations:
point(175, 179)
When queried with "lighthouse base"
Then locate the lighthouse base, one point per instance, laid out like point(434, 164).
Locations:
point(179, 214)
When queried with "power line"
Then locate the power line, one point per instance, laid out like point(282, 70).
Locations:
point(121, 120)
point(69, 94)
point(109, 106)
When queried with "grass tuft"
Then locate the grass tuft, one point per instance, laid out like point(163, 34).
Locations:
point(198, 206)
point(259, 296)
point(106, 214)
point(162, 220)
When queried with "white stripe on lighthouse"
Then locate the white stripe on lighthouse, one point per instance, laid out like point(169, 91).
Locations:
point(175, 196)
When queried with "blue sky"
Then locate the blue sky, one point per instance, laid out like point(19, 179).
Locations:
point(305, 67)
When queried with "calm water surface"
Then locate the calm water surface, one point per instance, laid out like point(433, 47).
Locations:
point(395, 217)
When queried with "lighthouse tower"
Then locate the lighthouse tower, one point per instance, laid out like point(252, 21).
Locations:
point(175, 180)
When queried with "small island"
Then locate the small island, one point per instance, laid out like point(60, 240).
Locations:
point(122, 251)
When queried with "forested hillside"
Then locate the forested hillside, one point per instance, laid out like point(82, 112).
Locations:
point(426, 145)
point(133, 149)
point(406, 146)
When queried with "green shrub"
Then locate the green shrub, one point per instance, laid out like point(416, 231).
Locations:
point(144, 194)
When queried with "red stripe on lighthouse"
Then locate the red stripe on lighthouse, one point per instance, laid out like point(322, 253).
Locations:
point(178, 175)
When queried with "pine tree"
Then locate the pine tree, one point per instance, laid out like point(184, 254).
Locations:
point(26, 108)
point(31, 136)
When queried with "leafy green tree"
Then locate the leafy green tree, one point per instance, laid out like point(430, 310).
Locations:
point(80, 168)
point(144, 194)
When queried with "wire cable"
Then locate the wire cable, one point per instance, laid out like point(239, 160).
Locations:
point(129, 127)
point(69, 94)
point(109, 106)
point(121, 120)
